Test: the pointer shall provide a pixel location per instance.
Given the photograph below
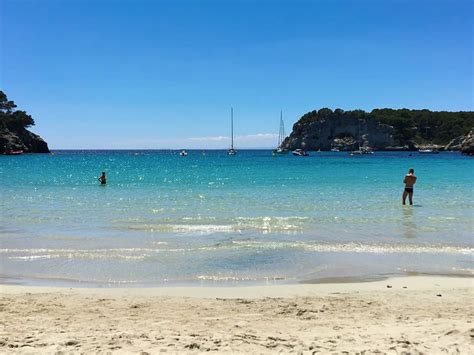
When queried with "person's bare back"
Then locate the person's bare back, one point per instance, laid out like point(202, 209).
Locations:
point(409, 181)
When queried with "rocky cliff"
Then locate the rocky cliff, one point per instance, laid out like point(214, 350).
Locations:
point(463, 143)
point(21, 139)
point(345, 134)
point(467, 144)
point(13, 133)
point(384, 129)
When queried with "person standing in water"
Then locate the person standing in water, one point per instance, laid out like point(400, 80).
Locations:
point(409, 181)
point(102, 179)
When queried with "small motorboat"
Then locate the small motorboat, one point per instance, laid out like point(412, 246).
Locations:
point(183, 153)
point(279, 151)
point(428, 151)
point(14, 152)
point(356, 152)
point(335, 150)
point(300, 153)
point(362, 151)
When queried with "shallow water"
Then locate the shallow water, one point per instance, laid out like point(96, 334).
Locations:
point(211, 218)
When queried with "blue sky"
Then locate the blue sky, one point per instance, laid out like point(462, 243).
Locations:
point(164, 74)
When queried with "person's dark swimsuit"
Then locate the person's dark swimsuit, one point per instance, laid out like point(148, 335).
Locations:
point(409, 189)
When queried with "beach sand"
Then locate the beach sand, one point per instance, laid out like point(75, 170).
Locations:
point(418, 314)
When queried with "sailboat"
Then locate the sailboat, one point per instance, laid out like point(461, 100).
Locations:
point(281, 137)
point(231, 151)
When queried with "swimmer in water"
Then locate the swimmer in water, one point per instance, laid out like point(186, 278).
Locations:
point(102, 179)
point(409, 181)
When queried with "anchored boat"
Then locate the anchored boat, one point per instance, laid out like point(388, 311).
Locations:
point(231, 150)
point(300, 153)
point(362, 151)
point(281, 137)
point(428, 151)
point(14, 152)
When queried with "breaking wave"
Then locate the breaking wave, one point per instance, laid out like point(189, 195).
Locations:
point(136, 254)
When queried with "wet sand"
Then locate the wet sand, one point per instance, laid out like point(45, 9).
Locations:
point(419, 314)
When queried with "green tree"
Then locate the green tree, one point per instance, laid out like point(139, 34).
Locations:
point(11, 118)
point(419, 126)
point(5, 105)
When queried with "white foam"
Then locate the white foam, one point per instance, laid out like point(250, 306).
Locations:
point(135, 254)
point(360, 248)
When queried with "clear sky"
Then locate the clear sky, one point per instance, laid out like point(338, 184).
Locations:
point(164, 74)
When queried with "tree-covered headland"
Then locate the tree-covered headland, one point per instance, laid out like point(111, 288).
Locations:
point(14, 135)
point(418, 126)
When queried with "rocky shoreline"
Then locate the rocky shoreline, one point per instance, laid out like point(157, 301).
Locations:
point(465, 144)
point(21, 140)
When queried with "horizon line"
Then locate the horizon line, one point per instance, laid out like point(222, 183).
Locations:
point(177, 149)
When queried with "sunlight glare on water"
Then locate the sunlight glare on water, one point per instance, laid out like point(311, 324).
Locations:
point(252, 217)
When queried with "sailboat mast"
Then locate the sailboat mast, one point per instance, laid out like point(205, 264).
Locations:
point(281, 135)
point(232, 127)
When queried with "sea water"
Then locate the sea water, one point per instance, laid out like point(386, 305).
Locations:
point(215, 219)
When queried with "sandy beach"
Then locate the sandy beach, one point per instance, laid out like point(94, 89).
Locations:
point(418, 314)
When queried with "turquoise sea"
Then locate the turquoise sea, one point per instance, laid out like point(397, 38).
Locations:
point(215, 219)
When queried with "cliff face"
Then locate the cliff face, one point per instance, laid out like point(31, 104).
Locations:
point(467, 144)
point(381, 129)
point(344, 133)
point(13, 133)
point(21, 139)
point(463, 143)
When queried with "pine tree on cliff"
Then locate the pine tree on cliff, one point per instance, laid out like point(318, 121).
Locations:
point(11, 118)
point(14, 135)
